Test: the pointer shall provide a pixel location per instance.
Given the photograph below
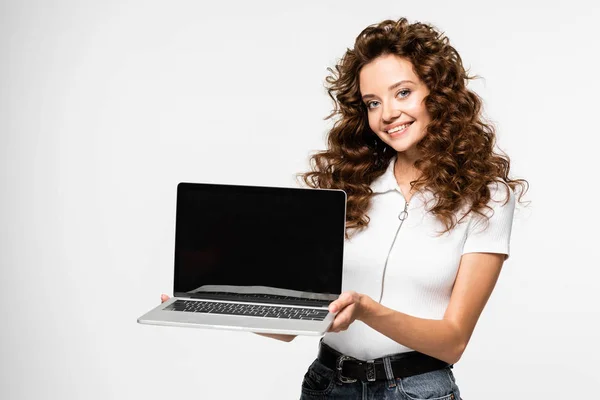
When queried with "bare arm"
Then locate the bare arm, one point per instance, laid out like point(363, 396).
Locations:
point(285, 338)
point(444, 339)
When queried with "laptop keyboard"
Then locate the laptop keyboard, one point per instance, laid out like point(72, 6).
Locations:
point(251, 310)
point(298, 301)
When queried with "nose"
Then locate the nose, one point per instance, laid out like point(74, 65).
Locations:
point(390, 113)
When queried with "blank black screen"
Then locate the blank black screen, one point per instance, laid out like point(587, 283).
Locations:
point(283, 238)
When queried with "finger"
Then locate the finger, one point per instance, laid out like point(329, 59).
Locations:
point(338, 304)
point(338, 326)
point(344, 300)
point(335, 327)
point(343, 320)
point(163, 298)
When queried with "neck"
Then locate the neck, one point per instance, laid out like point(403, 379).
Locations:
point(404, 168)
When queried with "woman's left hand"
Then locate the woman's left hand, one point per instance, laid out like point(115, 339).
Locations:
point(350, 306)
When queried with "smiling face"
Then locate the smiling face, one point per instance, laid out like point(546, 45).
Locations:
point(394, 96)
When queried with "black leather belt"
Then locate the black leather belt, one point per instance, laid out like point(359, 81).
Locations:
point(403, 365)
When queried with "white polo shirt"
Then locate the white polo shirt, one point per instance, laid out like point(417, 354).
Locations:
point(421, 265)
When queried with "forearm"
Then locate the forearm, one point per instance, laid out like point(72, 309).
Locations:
point(284, 338)
point(436, 338)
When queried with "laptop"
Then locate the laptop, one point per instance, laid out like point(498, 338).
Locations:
point(252, 258)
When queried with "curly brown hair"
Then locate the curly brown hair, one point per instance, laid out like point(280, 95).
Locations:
point(457, 158)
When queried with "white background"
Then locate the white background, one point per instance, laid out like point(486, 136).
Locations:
point(105, 106)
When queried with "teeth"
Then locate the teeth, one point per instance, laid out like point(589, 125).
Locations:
point(399, 128)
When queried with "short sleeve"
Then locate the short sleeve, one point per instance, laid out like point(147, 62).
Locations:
point(493, 235)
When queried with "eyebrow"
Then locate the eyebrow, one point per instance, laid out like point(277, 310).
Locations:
point(394, 86)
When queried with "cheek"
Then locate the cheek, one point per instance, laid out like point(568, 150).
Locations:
point(415, 107)
point(424, 115)
point(373, 120)
point(424, 121)
point(421, 111)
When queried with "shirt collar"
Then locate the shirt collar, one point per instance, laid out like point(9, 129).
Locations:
point(386, 182)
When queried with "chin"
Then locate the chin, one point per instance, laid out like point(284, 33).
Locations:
point(401, 144)
point(400, 147)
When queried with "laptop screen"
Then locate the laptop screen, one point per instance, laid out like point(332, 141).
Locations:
point(248, 239)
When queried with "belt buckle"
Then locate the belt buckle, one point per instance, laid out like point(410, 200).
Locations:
point(371, 370)
point(339, 363)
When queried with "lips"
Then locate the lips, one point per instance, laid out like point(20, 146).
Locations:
point(398, 128)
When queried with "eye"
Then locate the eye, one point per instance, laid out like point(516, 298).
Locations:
point(403, 93)
point(372, 104)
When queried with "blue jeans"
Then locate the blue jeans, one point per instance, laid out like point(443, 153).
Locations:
point(321, 382)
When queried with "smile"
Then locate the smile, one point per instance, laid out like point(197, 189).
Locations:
point(399, 129)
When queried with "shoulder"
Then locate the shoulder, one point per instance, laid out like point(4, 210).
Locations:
point(501, 196)
point(489, 229)
point(499, 210)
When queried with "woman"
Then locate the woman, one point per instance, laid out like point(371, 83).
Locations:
point(429, 216)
